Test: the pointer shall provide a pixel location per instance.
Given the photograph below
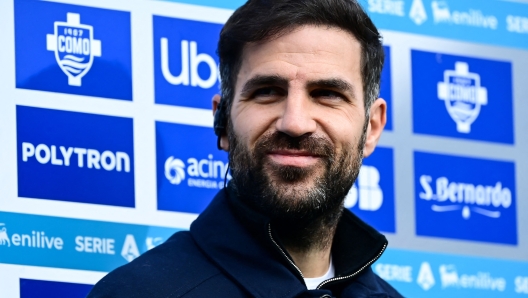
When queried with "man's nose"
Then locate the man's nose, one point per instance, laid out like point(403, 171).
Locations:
point(297, 118)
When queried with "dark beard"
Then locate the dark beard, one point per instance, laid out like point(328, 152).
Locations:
point(304, 218)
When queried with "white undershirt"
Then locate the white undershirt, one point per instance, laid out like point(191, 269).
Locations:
point(312, 283)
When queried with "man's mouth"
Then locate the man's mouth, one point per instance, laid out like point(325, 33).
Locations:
point(296, 158)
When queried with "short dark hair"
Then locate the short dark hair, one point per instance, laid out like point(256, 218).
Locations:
point(261, 20)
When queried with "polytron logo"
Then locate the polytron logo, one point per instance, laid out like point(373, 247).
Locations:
point(74, 47)
point(463, 95)
point(370, 194)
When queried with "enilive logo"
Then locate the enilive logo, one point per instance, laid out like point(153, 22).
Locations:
point(74, 47)
point(370, 193)
point(204, 173)
point(4, 237)
point(473, 17)
point(466, 197)
point(108, 160)
point(35, 239)
point(463, 95)
point(481, 281)
point(185, 62)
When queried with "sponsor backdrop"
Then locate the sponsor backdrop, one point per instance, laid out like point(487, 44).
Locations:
point(107, 147)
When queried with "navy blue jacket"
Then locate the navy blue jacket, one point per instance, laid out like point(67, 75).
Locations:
point(231, 251)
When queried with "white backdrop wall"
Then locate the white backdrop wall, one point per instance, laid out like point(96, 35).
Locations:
point(107, 147)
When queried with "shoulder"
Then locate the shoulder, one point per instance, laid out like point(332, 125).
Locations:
point(368, 284)
point(170, 270)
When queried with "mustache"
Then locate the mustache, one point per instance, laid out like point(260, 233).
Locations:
point(311, 144)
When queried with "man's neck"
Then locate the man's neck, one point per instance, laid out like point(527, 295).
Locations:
point(310, 246)
point(313, 263)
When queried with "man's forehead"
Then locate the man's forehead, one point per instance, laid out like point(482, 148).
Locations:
point(307, 53)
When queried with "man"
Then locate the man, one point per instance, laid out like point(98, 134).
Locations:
point(300, 80)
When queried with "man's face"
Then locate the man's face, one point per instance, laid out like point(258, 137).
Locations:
point(296, 132)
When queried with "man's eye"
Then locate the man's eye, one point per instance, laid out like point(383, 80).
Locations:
point(329, 94)
point(266, 92)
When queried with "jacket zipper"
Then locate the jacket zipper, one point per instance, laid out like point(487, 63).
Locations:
point(283, 253)
point(355, 273)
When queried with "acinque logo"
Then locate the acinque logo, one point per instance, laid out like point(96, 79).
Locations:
point(463, 95)
point(202, 173)
point(74, 47)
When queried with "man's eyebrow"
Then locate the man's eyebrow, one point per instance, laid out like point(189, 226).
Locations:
point(333, 83)
point(264, 80)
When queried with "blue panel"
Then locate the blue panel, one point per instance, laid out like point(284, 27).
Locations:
point(73, 49)
point(495, 22)
point(465, 198)
point(484, 21)
point(46, 241)
point(190, 169)
point(462, 97)
point(75, 157)
point(372, 195)
point(30, 288)
point(185, 62)
point(422, 274)
point(386, 86)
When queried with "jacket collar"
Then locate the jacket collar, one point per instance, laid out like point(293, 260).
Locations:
point(238, 240)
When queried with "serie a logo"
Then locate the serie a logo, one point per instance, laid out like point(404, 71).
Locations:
point(74, 47)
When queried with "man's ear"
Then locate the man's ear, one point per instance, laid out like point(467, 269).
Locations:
point(224, 144)
point(378, 118)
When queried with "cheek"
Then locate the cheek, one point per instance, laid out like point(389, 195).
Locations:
point(344, 129)
point(251, 123)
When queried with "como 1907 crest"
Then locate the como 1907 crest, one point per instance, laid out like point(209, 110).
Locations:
point(463, 95)
point(74, 47)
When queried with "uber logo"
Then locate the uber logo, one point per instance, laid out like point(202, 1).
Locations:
point(462, 97)
point(465, 198)
point(185, 62)
point(372, 196)
point(73, 49)
point(190, 169)
point(75, 157)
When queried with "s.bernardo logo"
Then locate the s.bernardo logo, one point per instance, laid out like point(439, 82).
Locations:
point(204, 173)
point(463, 95)
point(74, 47)
point(370, 195)
point(466, 197)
